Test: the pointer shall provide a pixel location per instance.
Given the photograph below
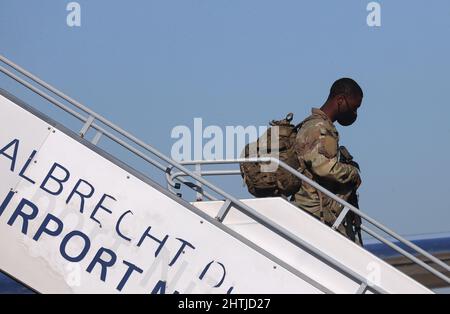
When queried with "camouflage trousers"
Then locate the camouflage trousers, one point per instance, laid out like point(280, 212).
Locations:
point(328, 212)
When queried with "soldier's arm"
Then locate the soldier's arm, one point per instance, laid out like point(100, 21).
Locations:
point(324, 163)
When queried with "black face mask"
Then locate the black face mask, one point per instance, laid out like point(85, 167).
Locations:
point(347, 118)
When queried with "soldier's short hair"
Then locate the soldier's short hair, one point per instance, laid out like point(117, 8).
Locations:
point(345, 86)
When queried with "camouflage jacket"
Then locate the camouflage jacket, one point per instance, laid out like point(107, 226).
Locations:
point(317, 147)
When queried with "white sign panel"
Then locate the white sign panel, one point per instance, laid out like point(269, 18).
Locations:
point(72, 221)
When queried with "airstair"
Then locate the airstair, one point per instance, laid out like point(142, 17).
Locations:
point(76, 218)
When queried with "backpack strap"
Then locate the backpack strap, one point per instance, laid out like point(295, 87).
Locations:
point(299, 126)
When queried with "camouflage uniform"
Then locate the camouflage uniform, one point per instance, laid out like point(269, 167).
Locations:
point(317, 144)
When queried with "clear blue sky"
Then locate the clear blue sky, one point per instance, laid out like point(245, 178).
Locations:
point(152, 65)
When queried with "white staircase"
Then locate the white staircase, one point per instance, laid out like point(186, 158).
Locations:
point(320, 236)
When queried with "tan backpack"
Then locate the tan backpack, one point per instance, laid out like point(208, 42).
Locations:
point(279, 182)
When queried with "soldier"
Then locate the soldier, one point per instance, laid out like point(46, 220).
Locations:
point(317, 147)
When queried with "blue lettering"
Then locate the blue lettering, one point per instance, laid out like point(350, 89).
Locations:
point(224, 273)
point(5, 203)
point(104, 264)
point(130, 270)
point(67, 238)
point(12, 157)
point(160, 288)
point(161, 242)
point(183, 245)
point(26, 217)
point(100, 205)
point(118, 225)
point(25, 167)
point(82, 196)
point(58, 181)
point(43, 228)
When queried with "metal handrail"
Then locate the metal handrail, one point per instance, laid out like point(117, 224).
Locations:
point(347, 207)
point(90, 122)
point(176, 176)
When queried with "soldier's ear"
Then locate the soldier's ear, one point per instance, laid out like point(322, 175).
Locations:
point(340, 100)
